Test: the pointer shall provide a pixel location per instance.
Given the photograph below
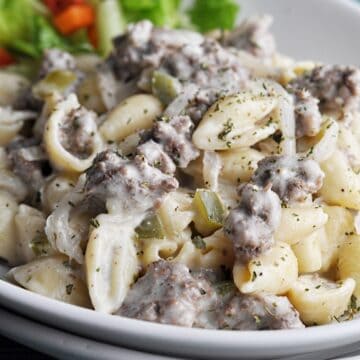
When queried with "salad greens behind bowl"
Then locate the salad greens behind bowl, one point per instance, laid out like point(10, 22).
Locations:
point(28, 27)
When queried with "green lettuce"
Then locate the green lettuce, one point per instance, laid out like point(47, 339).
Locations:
point(42, 36)
point(25, 26)
point(160, 12)
point(25, 30)
point(15, 20)
point(213, 14)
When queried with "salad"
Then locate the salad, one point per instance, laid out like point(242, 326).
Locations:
point(28, 27)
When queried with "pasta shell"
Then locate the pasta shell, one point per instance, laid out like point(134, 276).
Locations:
point(299, 222)
point(233, 122)
point(273, 272)
point(318, 300)
point(60, 157)
point(111, 262)
point(136, 113)
point(8, 209)
point(53, 277)
point(348, 263)
point(340, 224)
point(341, 184)
point(308, 251)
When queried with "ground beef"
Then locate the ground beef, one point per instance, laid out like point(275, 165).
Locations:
point(28, 161)
point(27, 101)
point(55, 59)
point(185, 55)
point(144, 46)
point(251, 225)
point(253, 36)
point(307, 114)
point(207, 65)
point(258, 312)
point(175, 136)
point(214, 70)
point(200, 103)
point(112, 91)
point(155, 156)
point(336, 86)
point(77, 132)
point(131, 184)
point(200, 63)
point(292, 178)
point(167, 294)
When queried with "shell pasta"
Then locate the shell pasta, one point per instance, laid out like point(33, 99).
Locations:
point(187, 179)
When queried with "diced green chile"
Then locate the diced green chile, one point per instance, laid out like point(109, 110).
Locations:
point(150, 228)
point(210, 206)
point(56, 81)
point(165, 87)
point(210, 212)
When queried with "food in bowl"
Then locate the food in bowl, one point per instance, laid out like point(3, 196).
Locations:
point(187, 179)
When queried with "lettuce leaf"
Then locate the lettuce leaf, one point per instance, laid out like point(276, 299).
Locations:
point(213, 14)
point(25, 30)
point(42, 36)
point(160, 12)
point(15, 20)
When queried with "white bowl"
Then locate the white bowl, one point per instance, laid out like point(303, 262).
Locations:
point(325, 30)
point(173, 340)
point(65, 345)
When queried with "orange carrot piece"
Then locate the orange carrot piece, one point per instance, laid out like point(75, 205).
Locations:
point(74, 17)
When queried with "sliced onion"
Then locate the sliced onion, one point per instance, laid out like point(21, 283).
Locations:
point(211, 169)
point(257, 66)
point(13, 184)
point(11, 121)
point(57, 228)
point(10, 116)
point(179, 104)
point(34, 153)
point(112, 90)
point(177, 38)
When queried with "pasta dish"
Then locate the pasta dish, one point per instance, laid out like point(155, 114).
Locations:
point(199, 180)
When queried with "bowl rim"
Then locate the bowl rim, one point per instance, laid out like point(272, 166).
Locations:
point(115, 329)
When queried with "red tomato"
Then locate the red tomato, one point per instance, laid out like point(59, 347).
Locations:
point(57, 6)
point(92, 35)
point(5, 58)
